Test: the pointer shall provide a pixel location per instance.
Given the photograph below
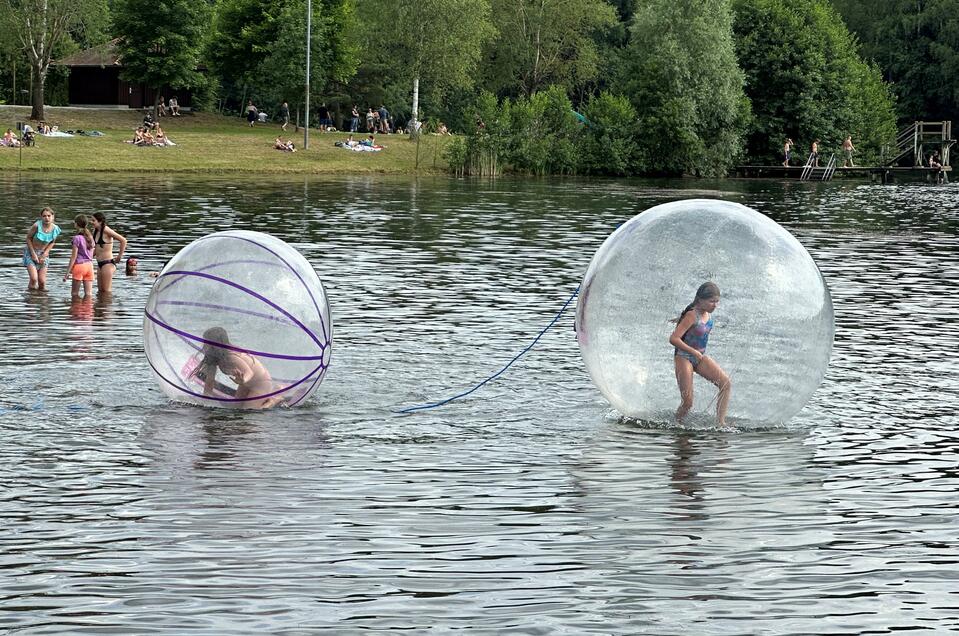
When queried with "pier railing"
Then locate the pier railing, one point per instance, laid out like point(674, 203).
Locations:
point(918, 138)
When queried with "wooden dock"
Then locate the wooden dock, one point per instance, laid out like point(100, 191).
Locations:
point(882, 174)
point(906, 160)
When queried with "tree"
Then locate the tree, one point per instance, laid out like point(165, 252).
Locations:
point(805, 79)
point(280, 76)
point(164, 49)
point(41, 26)
point(681, 75)
point(545, 42)
point(244, 32)
point(434, 42)
point(916, 44)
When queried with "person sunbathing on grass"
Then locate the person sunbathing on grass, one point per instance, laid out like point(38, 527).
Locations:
point(286, 146)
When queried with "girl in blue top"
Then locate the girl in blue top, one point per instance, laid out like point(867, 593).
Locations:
point(689, 339)
point(40, 239)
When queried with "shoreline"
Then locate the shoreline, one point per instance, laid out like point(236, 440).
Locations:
point(210, 144)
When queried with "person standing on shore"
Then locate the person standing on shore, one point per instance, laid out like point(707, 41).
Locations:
point(848, 149)
point(787, 151)
point(354, 119)
point(284, 116)
point(250, 112)
point(814, 154)
point(40, 239)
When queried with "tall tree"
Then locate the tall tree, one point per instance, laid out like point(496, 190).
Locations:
point(280, 76)
point(41, 26)
point(681, 75)
point(806, 80)
point(244, 32)
point(916, 44)
point(164, 49)
point(433, 43)
point(544, 42)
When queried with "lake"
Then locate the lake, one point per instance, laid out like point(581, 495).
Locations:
point(527, 507)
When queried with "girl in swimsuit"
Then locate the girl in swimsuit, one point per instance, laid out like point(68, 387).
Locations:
point(40, 239)
point(80, 268)
point(689, 339)
point(103, 237)
point(249, 374)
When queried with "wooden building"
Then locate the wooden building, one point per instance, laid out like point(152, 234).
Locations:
point(95, 81)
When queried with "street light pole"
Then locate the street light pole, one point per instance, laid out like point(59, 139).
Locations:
point(309, 20)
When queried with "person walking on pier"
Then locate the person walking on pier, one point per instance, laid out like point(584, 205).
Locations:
point(787, 152)
point(814, 154)
point(848, 149)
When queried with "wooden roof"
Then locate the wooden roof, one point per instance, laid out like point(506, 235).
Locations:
point(103, 55)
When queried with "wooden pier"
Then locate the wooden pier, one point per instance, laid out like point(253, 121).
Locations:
point(882, 174)
point(907, 160)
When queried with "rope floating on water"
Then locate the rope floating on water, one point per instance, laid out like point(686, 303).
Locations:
point(433, 405)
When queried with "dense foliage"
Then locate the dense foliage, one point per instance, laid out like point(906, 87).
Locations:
point(816, 88)
point(916, 45)
point(164, 50)
point(607, 87)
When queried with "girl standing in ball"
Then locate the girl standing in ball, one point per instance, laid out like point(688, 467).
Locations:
point(103, 237)
point(689, 339)
point(40, 239)
point(80, 268)
point(249, 374)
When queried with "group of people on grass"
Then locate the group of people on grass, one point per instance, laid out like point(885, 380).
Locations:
point(170, 108)
point(154, 136)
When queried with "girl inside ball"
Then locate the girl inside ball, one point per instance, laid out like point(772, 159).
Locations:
point(80, 268)
point(689, 339)
point(249, 374)
point(104, 237)
point(40, 239)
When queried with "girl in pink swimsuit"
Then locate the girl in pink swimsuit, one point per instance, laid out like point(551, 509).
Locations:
point(249, 374)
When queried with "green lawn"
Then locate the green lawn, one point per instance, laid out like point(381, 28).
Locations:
point(207, 143)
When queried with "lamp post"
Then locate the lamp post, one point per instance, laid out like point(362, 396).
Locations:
point(309, 19)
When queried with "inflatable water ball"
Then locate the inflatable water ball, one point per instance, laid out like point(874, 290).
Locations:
point(773, 328)
point(238, 319)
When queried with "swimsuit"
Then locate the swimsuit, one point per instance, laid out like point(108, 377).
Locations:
point(696, 337)
point(41, 237)
point(82, 267)
point(98, 240)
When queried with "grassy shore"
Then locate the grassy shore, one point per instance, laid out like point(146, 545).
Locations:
point(207, 143)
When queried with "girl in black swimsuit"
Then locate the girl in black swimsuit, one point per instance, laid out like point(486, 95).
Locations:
point(103, 237)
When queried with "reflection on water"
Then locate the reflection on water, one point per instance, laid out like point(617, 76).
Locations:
point(528, 507)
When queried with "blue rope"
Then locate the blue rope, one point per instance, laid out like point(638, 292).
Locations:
point(433, 405)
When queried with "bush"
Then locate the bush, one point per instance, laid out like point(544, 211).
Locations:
point(607, 145)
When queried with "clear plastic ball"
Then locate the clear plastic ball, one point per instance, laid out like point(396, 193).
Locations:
point(261, 292)
point(773, 328)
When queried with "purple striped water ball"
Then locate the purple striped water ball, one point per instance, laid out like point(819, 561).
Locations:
point(773, 329)
point(261, 292)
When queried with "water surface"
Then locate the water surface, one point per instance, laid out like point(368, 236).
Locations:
point(528, 507)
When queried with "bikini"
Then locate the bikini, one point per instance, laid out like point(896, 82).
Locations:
point(42, 237)
point(98, 239)
point(696, 337)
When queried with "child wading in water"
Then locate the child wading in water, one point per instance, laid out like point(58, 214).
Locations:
point(80, 268)
point(249, 374)
point(690, 338)
point(40, 239)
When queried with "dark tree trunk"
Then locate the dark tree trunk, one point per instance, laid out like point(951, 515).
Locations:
point(36, 97)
